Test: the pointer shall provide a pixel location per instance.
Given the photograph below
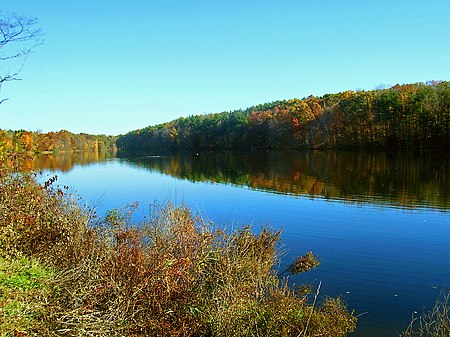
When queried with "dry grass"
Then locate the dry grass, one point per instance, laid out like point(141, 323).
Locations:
point(39, 220)
point(174, 274)
point(435, 323)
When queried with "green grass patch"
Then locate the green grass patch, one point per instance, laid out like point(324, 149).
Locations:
point(22, 286)
point(23, 274)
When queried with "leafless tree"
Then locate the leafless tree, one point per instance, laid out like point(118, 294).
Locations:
point(19, 35)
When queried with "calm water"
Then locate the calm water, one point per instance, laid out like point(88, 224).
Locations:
point(380, 223)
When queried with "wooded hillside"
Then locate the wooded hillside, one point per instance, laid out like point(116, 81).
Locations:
point(403, 116)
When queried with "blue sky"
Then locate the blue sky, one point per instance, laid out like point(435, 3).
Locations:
point(110, 66)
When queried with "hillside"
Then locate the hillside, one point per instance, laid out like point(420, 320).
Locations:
point(403, 116)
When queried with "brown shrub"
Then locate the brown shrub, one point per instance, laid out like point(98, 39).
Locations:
point(174, 274)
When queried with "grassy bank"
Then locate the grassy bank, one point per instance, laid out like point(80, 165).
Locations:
point(67, 272)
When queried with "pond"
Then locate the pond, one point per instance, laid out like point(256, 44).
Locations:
point(379, 222)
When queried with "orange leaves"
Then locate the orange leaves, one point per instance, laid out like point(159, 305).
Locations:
point(27, 140)
point(261, 117)
point(63, 141)
point(296, 123)
point(295, 112)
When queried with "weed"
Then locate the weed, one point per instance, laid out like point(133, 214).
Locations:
point(40, 221)
point(174, 274)
point(435, 323)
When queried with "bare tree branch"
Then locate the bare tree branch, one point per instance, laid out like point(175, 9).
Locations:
point(19, 35)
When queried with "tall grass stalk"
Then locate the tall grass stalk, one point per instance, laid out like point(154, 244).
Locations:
point(435, 323)
point(312, 308)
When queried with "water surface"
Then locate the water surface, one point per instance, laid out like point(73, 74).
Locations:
point(379, 222)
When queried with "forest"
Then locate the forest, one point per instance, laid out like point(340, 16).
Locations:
point(414, 116)
point(52, 142)
point(403, 116)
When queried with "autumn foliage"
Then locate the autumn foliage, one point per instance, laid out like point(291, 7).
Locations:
point(52, 142)
point(404, 116)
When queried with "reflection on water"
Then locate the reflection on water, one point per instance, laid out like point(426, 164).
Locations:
point(406, 180)
point(64, 161)
point(400, 180)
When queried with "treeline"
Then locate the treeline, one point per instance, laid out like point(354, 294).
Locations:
point(53, 142)
point(403, 116)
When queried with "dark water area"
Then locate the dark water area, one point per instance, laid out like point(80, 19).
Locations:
point(379, 222)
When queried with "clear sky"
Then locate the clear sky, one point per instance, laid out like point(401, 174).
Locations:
point(111, 66)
